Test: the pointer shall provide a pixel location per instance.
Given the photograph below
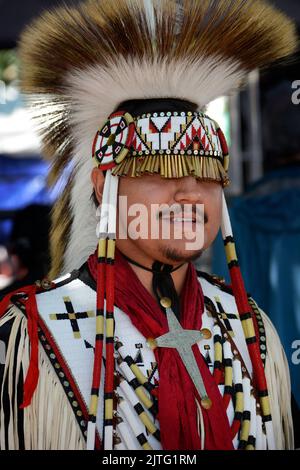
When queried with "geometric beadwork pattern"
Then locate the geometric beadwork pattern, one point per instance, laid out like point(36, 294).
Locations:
point(72, 316)
point(225, 316)
point(112, 141)
point(170, 144)
point(176, 133)
point(170, 133)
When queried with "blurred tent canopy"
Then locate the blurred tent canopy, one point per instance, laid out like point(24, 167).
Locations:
point(23, 173)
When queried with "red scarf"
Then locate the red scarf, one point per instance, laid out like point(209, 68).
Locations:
point(176, 391)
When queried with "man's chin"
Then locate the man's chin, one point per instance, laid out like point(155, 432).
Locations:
point(177, 255)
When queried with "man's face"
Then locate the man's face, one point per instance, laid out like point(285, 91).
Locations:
point(183, 233)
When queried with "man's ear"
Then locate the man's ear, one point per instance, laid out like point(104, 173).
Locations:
point(97, 178)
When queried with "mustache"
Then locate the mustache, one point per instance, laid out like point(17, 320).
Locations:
point(181, 210)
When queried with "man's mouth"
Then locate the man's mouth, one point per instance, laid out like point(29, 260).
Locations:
point(184, 217)
point(185, 221)
point(181, 219)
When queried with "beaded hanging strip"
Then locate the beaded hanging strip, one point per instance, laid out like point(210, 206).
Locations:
point(105, 289)
point(139, 392)
point(246, 315)
point(238, 388)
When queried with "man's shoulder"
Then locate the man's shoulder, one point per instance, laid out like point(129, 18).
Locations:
point(45, 291)
point(65, 281)
point(69, 293)
point(64, 284)
point(215, 289)
point(214, 285)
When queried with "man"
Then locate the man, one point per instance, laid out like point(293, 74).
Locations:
point(134, 349)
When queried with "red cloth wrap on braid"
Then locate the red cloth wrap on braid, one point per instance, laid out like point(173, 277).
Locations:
point(32, 375)
point(176, 391)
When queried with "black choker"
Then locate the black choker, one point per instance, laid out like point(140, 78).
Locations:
point(157, 266)
point(162, 282)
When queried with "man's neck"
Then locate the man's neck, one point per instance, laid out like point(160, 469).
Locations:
point(145, 276)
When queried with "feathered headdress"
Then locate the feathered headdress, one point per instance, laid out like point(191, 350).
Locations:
point(80, 63)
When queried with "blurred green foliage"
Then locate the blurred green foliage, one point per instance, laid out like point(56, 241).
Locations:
point(9, 65)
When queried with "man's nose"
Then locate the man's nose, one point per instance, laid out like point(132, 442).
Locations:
point(188, 191)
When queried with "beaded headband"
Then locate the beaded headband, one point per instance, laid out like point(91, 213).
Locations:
point(173, 144)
